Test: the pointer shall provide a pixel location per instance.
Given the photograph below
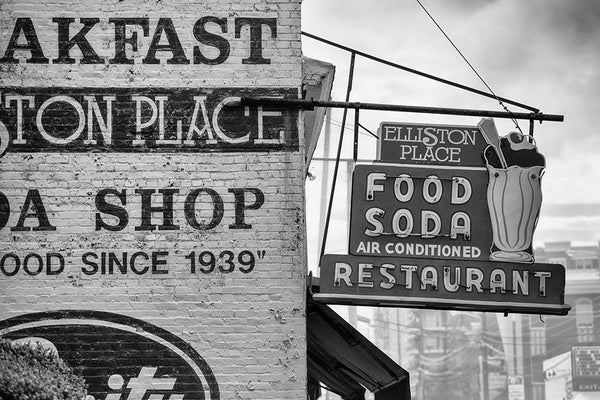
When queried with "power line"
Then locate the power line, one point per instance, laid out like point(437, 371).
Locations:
point(470, 65)
point(413, 71)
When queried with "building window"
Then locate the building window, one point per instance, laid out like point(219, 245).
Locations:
point(584, 315)
point(585, 263)
point(538, 341)
point(537, 332)
point(363, 325)
point(431, 319)
point(558, 260)
point(538, 390)
point(433, 333)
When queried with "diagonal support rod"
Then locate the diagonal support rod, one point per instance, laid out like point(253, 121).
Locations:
point(337, 158)
point(420, 73)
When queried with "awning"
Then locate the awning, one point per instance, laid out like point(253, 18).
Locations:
point(317, 82)
point(346, 363)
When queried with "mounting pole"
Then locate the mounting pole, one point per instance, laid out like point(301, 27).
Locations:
point(337, 158)
point(356, 125)
point(466, 112)
point(416, 72)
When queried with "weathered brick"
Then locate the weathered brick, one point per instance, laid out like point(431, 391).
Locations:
point(241, 322)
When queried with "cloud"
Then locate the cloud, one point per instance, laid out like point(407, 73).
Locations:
point(543, 53)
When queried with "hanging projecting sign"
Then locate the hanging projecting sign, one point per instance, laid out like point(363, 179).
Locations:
point(445, 218)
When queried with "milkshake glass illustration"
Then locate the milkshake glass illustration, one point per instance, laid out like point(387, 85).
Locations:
point(514, 194)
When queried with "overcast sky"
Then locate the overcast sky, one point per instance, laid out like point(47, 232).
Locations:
point(544, 53)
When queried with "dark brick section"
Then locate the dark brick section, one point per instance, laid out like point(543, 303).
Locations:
point(145, 120)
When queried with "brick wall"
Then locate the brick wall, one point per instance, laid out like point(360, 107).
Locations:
point(219, 272)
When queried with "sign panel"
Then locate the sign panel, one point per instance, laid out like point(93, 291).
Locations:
point(430, 144)
point(419, 211)
point(451, 284)
point(585, 361)
point(516, 387)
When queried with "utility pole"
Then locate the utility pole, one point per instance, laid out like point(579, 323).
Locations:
point(325, 178)
point(484, 360)
point(398, 336)
point(421, 387)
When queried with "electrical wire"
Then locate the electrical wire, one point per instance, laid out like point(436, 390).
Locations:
point(448, 355)
point(455, 338)
point(556, 364)
point(487, 337)
point(470, 65)
point(349, 128)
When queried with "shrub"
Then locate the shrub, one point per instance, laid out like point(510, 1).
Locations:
point(31, 372)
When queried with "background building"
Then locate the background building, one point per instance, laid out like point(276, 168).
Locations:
point(467, 355)
point(580, 328)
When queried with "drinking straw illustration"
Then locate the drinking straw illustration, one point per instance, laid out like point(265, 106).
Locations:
point(490, 134)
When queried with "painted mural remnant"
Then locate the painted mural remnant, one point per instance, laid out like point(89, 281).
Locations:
point(142, 120)
point(25, 45)
point(118, 355)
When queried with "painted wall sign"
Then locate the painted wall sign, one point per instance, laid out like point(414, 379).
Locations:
point(141, 120)
point(25, 45)
point(111, 214)
point(419, 211)
point(131, 180)
point(464, 285)
point(119, 357)
point(430, 144)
